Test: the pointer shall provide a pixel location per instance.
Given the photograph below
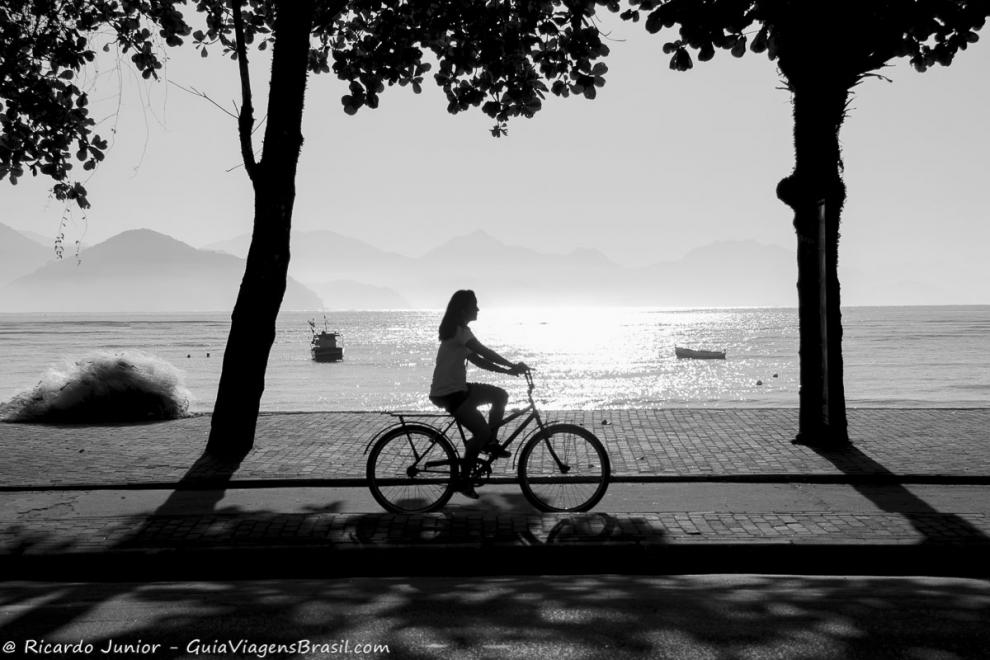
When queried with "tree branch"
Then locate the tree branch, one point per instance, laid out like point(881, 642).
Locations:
point(196, 92)
point(245, 119)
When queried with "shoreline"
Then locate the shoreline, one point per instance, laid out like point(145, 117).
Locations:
point(544, 410)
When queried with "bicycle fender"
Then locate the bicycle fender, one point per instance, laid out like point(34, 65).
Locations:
point(398, 426)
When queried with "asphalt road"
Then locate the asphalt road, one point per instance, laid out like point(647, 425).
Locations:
point(603, 616)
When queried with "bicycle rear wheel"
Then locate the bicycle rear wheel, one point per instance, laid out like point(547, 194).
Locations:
point(564, 468)
point(411, 470)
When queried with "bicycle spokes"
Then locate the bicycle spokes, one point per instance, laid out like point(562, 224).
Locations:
point(565, 468)
point(410, 471)
point(562, 465)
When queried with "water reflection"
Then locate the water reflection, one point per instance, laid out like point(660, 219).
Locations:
point(587, 357)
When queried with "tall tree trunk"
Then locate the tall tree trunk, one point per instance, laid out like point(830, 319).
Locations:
point(252, 327)
point(816, 194)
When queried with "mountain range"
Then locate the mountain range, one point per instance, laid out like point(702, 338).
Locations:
point(137, 271)
point(143, 270)
point(725, 273)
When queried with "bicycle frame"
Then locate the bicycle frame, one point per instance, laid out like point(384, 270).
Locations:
point(530, 408)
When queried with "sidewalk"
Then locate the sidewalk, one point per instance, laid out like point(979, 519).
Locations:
point(896, 531)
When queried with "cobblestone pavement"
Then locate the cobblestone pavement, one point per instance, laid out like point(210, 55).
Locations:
point(692, 443)
point(889, 444)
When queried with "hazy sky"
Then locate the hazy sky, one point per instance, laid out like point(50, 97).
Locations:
point(660, 163)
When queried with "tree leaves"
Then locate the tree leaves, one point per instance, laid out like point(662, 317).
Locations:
point(654, 22)
point(681, 61)
point(503, 57)
point(854, 36)
point(500, 55)
point(759, 43)
point(44, 118)
point(738, 48)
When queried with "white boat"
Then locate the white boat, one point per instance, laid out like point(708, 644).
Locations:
point(698, 355)
point(324, 345)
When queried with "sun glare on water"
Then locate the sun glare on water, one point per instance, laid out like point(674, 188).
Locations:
point(615, 357)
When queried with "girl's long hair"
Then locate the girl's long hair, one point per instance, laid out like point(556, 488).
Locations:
point(461, 300)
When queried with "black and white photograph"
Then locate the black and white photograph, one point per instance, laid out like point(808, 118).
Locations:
point(494, 329)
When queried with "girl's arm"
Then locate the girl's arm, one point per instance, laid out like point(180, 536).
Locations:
point(487, 364)
point(486, 358)
point(478, 348)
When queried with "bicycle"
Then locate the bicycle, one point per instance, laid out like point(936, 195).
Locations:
point(413, 466)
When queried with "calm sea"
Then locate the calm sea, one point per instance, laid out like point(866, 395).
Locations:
point(586, 358)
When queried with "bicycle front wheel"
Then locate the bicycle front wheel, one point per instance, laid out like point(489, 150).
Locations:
point(411, 470)
point(564, 468)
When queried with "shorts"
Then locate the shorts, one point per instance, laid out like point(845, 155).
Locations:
point(451, 402)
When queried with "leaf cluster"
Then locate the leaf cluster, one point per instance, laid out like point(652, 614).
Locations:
point(258, 18)
point(503, 56)
point(855, 36)
point(45, 121)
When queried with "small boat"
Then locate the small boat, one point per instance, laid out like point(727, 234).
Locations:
point(698, 355)
point(324, 344)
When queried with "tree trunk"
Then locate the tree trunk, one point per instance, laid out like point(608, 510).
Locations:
point(816, 193)
point(252, 324)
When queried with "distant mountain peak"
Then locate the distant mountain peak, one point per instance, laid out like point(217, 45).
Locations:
point(478, 242)
point(140, 270)
point(141, 234)
point(478, 236)
point(140, 244)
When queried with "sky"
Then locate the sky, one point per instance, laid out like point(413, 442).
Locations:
point(660, 163)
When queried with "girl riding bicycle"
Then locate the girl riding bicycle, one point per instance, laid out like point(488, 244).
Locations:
point(451, 391)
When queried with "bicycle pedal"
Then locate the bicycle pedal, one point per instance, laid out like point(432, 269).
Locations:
point(480, 472)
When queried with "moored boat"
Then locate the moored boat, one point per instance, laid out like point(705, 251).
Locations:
point(324, 347)
point(698, 354)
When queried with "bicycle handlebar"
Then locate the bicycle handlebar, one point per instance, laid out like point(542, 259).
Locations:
point(529, 379)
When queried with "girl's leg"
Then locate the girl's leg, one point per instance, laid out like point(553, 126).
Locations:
point(472, 419)
point(469, 416)
point(480, 394)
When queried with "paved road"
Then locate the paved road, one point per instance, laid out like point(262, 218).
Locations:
point(613, 616)
point(695, 490)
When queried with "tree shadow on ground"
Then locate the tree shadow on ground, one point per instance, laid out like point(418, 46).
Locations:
point(431, 617)
point(151, 552)
point(206, 470)
point(208, 474)
point(884, 489)
point(490, 617)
